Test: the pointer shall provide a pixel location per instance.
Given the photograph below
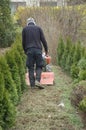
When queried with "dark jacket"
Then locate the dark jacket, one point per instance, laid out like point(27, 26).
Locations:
point(33, 37)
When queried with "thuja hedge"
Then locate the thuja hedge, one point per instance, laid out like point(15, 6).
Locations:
point(12, 83)
point(7, 108)
point(72, 58)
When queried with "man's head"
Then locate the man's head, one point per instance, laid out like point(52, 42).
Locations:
point(30, 20)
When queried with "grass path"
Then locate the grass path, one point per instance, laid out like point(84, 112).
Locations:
point(40, 110)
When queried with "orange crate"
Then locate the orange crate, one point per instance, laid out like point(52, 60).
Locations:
point(47, 78)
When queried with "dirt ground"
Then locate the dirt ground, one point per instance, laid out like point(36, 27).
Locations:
point(50, 108)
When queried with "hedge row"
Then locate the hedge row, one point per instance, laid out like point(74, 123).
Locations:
point(72, 59)
point(12, 83)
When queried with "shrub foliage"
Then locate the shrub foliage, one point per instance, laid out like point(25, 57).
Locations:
point(72, 59)
point(12, 83)
point(7, 31)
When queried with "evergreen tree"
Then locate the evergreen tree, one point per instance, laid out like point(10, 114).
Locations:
point(9, 83)
point(1, 98)
point(6, 25)
point(65, 54)
point(69, 61)
point(7, 109)
point(21, 69)
point(60, 51)
point(17, 45)
point(14, 71)
point(77, 54)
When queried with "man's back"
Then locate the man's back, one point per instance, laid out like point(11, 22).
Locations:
point(33, 37)
point(32, 34)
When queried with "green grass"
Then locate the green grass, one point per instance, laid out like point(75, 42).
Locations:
point(39, 109)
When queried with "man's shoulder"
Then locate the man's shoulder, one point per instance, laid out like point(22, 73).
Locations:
point(37, 26)
point(32, 26)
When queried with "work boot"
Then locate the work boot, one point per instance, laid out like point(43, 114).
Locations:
point(37, 84)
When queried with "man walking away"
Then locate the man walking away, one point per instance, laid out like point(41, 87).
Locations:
point(32, 41)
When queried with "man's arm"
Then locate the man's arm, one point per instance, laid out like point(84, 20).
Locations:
point(44, 42)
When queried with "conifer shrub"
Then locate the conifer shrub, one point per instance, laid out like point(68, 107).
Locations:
point(14, 71)
point(1, 98)
point(82, 64)
point(63, 60)
point(82, 69)
point(82, 75)
point(0, 128)
point(21, 69)
point(7, 109)
point(77, 53)
point(83, 50)
point(82, 105)
point(85, 54)
point(65, 54)
point(60, 51)
point(18, 46)
point(69, 60)
point(7, 30)
point(74, 71)
point(23, 56)
point(9, 83)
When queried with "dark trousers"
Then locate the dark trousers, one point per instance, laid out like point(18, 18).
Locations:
point(34, 63)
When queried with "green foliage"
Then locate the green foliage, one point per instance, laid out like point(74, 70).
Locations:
point(77, 53)
point(82, 69)
point(1, 98)
point(85, 54)
point(7, 31)
point(63, 60)
point(83, 50)
point(82, 75)
point(60, 51)
point(12, 83)
point(72, 59)
point(9, 83)
point(14, 71)
point(19, 48)
point(74, 71)
point(0, 128)
point(69, 60)
point(65, 54)
point(82, 64)
point(7, 109)
point(82, 105)
point(21, 69)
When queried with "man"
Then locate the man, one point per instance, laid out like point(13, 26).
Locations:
point(32, 41)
